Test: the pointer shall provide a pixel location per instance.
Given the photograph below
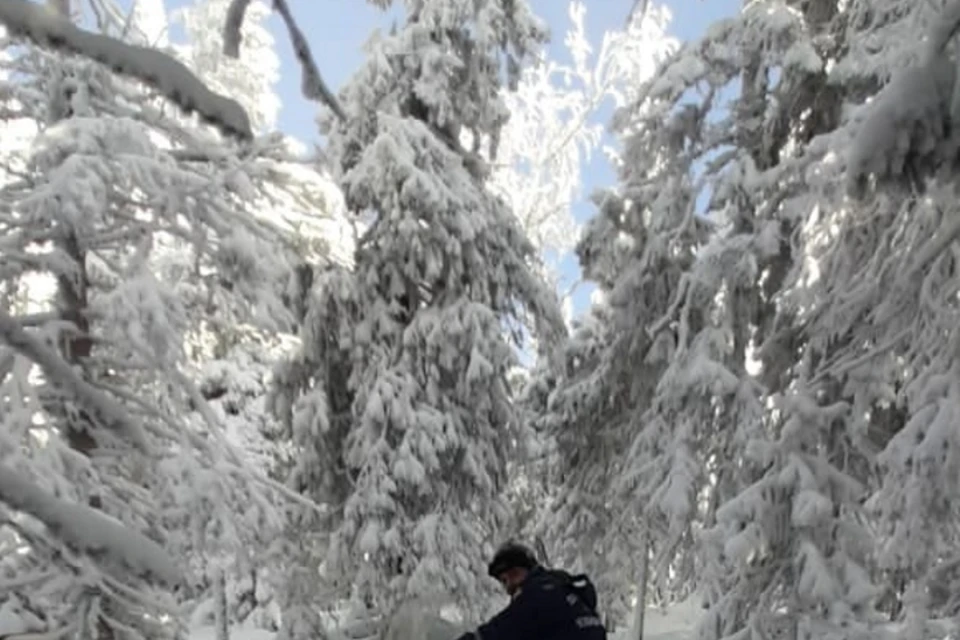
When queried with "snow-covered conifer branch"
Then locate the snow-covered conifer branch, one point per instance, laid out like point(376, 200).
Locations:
point(88, 530)
point(943, 31)
point(907, 128)
point(110, 413)
point(217, 430)
point(155, 68)
point(312, 86)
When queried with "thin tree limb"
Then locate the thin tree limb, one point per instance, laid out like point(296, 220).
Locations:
point(312, 85)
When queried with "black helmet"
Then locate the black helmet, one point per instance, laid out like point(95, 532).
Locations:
point(511, 555)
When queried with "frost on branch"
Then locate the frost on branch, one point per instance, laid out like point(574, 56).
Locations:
point(87, 530)
point(170, 77)
point(910, 130)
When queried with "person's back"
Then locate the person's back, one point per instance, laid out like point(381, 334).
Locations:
point(545, 604)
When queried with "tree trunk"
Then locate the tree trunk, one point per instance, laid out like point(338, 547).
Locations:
point(76, 345)
point(641, 608)
point(220, 614)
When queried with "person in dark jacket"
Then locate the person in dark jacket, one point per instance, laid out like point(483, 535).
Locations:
point(544, 604)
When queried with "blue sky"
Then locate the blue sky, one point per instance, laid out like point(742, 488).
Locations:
point(337, 30)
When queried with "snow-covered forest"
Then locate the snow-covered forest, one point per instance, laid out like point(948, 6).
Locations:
point(254, 386)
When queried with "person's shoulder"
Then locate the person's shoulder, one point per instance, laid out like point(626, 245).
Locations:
point(550, 578)
point(545, 581)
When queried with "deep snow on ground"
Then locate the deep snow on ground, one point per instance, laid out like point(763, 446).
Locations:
point(210, 633)
point(675, 622)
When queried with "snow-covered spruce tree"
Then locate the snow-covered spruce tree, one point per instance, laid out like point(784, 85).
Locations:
point(634, 250)
point(859, 341)
point(232, 358)
point(100, 464)
point(878, 296)
point(552, 132)
point(713, 475)
point(760, 480)
point(794, 285)
point(237, 369)
point(404, 414)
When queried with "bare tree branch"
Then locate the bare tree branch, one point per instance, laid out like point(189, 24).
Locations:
point(232, 25)
point(312, 85)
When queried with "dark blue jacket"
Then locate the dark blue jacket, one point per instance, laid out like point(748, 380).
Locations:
point(545, 608)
